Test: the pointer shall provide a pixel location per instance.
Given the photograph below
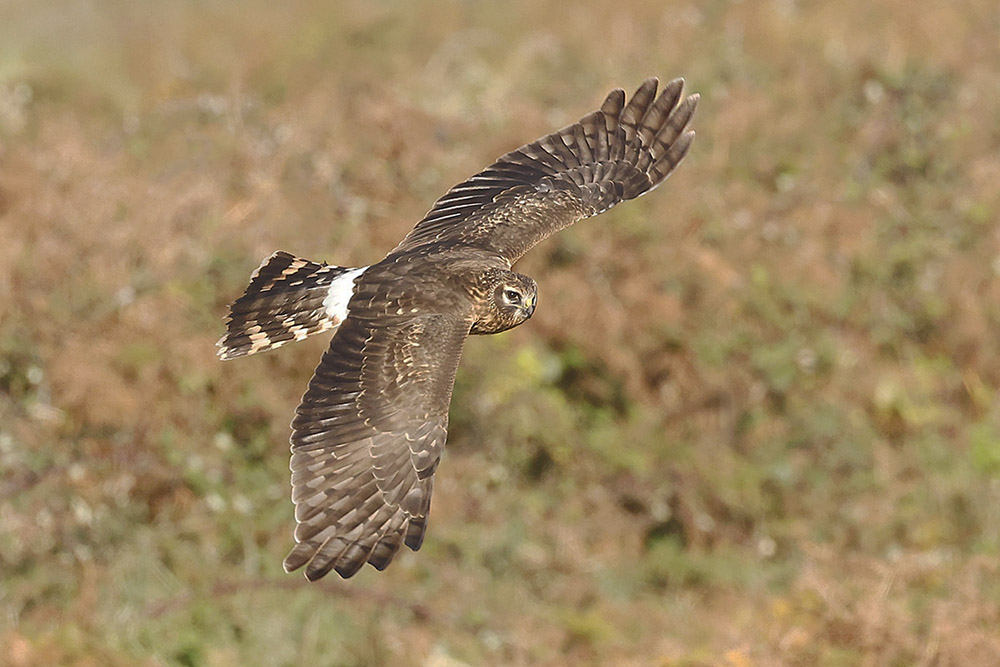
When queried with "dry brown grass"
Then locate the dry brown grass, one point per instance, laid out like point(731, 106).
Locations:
point(755, 420)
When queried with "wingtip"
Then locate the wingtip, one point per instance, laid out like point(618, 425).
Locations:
point(674, 87)
point(680, 148)
point(647, 88)
point(692, 101)
point(309, 573)
point(614, 103)
point(683, 143)
point(316, 574)
point(297, 557)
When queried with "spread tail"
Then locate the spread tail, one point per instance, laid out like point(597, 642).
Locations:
point(288, 299)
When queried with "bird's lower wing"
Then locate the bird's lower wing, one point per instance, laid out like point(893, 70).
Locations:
point(367, 438)
point(611, 155)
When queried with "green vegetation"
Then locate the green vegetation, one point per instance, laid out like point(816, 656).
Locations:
point(755, 419)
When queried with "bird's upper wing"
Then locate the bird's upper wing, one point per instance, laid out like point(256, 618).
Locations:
point(367, 438)
point(611, 155)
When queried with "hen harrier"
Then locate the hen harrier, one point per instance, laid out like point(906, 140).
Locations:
point(370, 430)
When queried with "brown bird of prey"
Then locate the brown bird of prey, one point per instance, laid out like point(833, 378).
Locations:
point(370, 430)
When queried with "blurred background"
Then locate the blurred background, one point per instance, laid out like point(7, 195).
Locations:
point(755, 419)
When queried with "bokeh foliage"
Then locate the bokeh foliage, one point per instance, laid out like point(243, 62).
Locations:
point(755, 419)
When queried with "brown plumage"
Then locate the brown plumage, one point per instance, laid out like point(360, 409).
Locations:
point(370, 430)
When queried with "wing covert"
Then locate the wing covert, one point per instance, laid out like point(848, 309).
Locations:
point(614, 154)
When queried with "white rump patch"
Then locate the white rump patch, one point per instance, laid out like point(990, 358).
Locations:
point(339, 294)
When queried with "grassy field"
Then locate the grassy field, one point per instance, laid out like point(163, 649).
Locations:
point(755, 420)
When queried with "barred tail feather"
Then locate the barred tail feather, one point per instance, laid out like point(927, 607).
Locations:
point(288, 299)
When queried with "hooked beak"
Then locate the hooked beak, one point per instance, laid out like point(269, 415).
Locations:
point(529, 307)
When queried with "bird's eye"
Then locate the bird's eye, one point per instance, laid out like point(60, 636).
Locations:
point(512, 297)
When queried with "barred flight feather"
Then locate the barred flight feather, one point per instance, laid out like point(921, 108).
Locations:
point(288, 299)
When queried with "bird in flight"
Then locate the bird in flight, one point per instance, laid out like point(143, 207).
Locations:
point(370, 430)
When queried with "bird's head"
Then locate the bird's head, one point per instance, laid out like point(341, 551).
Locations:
point(517, 296)
point(511, 299)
